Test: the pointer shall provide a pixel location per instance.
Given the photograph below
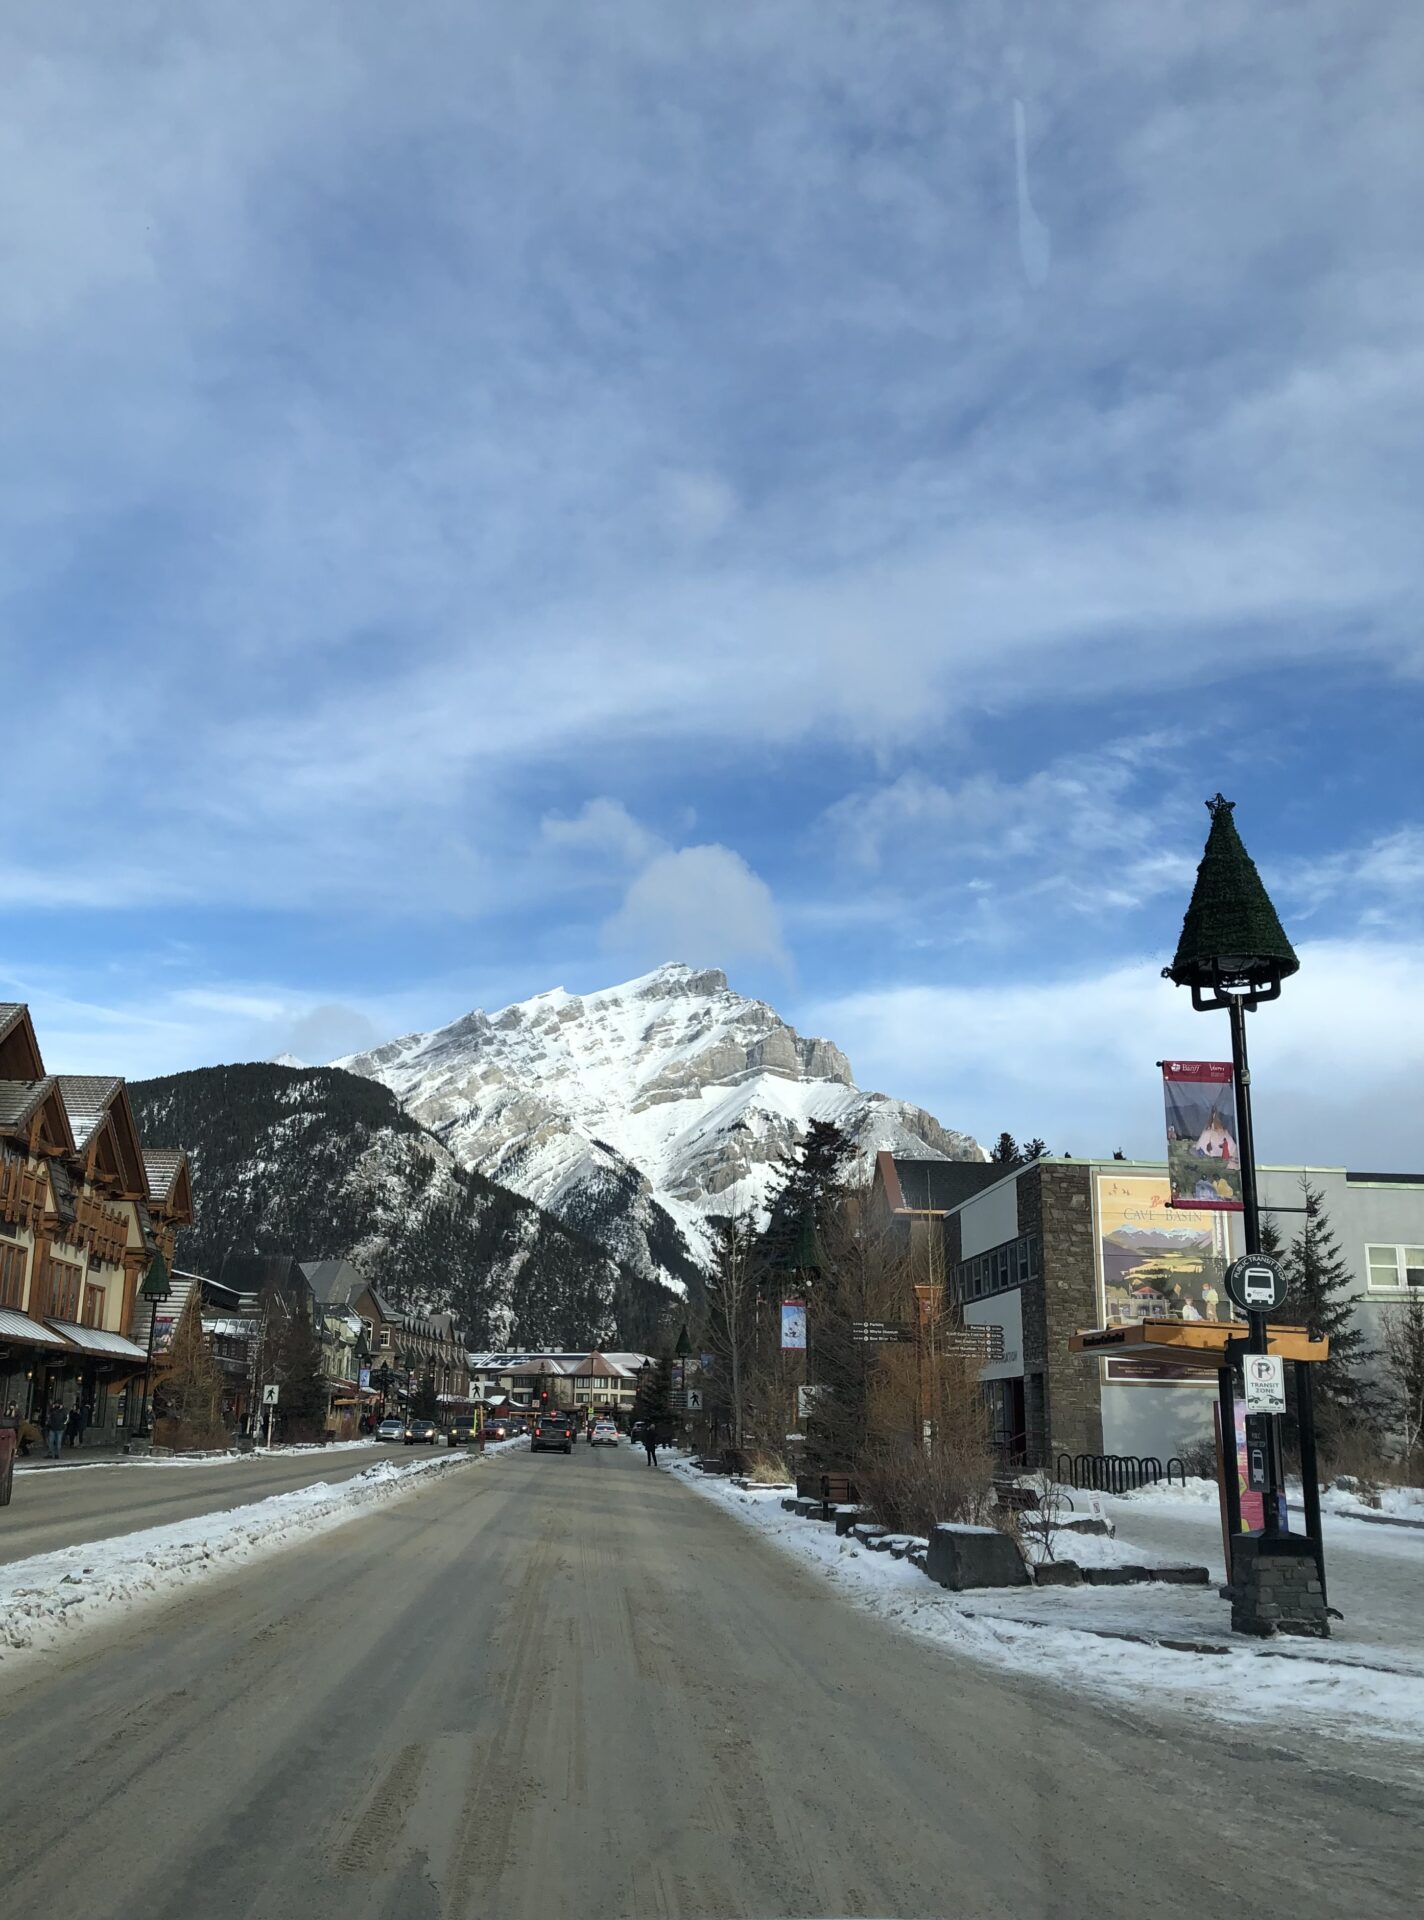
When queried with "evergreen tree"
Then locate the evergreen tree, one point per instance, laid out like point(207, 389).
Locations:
point(1034, 1149)
point(653, 1399)
point(808, 1185)
point(1319, 1281)
point(291, 1358)
point(1005, 1152)
point(192, 1386)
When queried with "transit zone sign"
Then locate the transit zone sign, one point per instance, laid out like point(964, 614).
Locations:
point(1265, 1378)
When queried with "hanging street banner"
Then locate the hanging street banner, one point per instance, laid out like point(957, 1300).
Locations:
point(677, 1373)
point(1203, 1152)
point(793, 1326)
point(708, 1362)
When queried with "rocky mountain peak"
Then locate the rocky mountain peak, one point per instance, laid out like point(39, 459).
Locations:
point(673, 1088)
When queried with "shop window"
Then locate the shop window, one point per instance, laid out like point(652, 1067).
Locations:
point(12, 1276)
point(60, 1292)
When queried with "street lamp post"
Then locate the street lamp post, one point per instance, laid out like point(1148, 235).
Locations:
point(1233, 953)
point(154, 1287)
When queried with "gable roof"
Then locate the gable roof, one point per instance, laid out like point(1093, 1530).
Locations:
point(20, 1100)
point(333, 1281)
point(92, 1098)
point(933, 1186)
point(162, 1165)
point(19, 1050)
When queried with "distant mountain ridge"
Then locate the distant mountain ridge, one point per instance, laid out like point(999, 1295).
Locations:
point(323, 1164)
point(635, 1112)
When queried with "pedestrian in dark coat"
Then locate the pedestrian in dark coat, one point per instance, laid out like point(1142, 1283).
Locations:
point(54, 1428)
point(74, 1425)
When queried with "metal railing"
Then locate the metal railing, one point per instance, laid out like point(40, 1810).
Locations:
point(1117, 1472)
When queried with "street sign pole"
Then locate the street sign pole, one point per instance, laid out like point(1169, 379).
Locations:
point(1251, 1222)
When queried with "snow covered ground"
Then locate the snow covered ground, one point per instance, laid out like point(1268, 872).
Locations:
point(1350, 1689)
point(214, 1457)
point(46, 1599)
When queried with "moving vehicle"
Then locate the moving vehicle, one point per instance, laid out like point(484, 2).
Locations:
point(392, 1429)
point(463, 1430)
point(553, 1432)
point(603, 1433)
point(497, 1431)
point(421, 1433)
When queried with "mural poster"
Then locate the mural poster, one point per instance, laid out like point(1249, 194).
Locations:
point(1154, 1265)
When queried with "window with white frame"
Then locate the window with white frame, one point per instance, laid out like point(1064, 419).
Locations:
point(1393, 1268)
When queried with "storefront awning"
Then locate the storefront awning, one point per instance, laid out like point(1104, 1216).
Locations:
point(19, 1327)
point(100, 1345)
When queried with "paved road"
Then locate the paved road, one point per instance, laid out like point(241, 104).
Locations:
point(63, 1506)
point(546, 1686)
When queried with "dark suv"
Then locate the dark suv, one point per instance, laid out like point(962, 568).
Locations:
point(553, 1433)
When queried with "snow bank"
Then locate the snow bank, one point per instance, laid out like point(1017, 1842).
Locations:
point(1055, 1635)
point(213, 1457)
point(45, 1599)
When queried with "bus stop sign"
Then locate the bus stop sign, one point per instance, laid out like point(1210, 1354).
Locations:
point(1256, 1283)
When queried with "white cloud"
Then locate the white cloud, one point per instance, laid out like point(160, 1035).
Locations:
point(602, 827)
point(1336, 1062)
point(701, 904)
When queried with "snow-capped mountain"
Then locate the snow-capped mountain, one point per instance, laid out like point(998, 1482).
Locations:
point(634, 1112)
point(328, 1166)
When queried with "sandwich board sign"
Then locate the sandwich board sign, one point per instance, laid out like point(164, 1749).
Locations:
point(1265, 1378)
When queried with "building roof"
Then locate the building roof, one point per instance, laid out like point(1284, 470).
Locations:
point(19, 1050)
point(19, 1098)
point(598, 1367)
point(86, 1100)
point(936, 1186)
point(334, 1281)
point(162, 1165)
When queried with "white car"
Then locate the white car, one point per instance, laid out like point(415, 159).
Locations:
point(391, 1430)
point(603, 1433)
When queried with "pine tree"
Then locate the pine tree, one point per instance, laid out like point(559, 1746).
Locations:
point(653, 1399)
point(192, 1386)
point(809, 1184)
point(1005, 1152)
point(1034, 1149)
point(292, 1359)
point(1319, 1280)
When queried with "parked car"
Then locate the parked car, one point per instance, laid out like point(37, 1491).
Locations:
point(422, 1433)
point(553, 1432)
point(392, 1429)
point(603, 1433)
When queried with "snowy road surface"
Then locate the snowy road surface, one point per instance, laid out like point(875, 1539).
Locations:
point(63, 1506)
point(558, 1685)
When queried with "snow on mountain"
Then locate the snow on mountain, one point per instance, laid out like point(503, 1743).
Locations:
point(636, 1111)
point(287, 1060)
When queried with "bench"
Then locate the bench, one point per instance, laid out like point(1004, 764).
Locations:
point(1015, 1499)
point(831, 1489)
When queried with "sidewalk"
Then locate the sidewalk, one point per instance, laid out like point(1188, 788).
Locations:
point(40, 1462)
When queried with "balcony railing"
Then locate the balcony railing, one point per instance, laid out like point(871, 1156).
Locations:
point(22, 1191)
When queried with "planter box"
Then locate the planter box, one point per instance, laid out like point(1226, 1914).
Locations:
point(1182, 1576)
point(961, 1557)
point(1058, 1573)
point(1115, 1576)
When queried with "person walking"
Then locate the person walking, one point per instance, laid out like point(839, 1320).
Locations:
point(74, 1425)
point(650, 1443)
point(54, 1428)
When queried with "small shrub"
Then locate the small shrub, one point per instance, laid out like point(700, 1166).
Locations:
point(1199, 1459)
point(767, 1470)
point(909, 1489)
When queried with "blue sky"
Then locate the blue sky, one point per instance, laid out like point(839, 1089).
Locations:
point(500, 495)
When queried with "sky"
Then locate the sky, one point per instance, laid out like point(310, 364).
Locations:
point(496, 495)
